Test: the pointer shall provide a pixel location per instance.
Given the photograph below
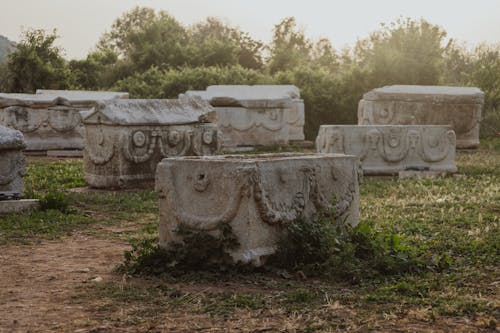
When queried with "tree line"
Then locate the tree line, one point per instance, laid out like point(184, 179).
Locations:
point(151, 55)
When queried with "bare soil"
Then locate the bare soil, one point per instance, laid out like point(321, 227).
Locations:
point(38, 281)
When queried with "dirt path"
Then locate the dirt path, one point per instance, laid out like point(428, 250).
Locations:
point(37, 282)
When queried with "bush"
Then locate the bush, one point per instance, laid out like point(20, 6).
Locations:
point(322, 248)
point(55, 199)
point(198, 251)
point(157, 83)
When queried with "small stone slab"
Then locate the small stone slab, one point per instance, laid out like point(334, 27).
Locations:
point(18, 206)
point(151, 112)
point(414, 174)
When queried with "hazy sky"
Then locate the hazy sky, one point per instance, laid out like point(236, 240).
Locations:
point(80, 23)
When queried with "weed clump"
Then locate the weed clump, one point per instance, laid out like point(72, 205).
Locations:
point(199, 251)
point(317, 247)
point(56, 200)
point(321, 247)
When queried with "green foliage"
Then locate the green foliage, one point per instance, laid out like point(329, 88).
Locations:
point(157, 83)
point(37, 63)
point(151, 55)
point(42, 177)
point(486, 75)
point(6, 47)
point(49, 223)
point(322, 248)
point(198, 251)
point(55, 199)
point(404, 52)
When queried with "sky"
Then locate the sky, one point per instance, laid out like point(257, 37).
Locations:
point(80, 23)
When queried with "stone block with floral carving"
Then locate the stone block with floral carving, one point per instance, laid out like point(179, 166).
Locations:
point(257, 195)
point(256, 115)
point(125, 139)
point(388, 149)
point(459, 107)
point(50, 119)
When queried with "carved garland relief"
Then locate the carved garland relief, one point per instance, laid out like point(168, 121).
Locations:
point(393, 145)
point(139, 145)
point(248, 182)
point(30, 120)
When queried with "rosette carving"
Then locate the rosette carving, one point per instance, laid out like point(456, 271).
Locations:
point(175, 142)
point(139, 147)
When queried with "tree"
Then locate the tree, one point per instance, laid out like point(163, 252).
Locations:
point(289, 47)
point(215, 43)
point(142, 38)
point(404, 52)
point(37, 63)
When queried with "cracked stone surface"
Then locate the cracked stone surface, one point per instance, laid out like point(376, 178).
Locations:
point(389, 149)
point(125, 139)
point(256, 115)
point(459, 107)
point(12, 163)
point(256, 194)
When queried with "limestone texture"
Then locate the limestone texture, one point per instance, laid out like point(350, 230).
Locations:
point(389, 149)
point(125, 139)
point(12, 163)
point(258, 195)
point(256, 115)
point(459, 107)
point(50, 119)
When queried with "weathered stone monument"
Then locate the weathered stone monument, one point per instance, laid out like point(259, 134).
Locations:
point(12, 162)
point(50, 119)
point(257, 195)
point(390, 149)
point(12, 170)
point(125, 139)
point(459, 107)
point(256, 115)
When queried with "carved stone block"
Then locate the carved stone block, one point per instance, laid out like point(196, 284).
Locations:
point(389, 149)
point(258, 195)
point(256, 115)
point(50, 119)
point(125, 139)
point(459, 107)
point(12, 163)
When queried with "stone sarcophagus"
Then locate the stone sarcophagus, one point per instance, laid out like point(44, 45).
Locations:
point(50, 119)
point(125, 139)
point(12, 163)
point(256, 115)
point(459, 107)
point(389, 149)
point(257, 195)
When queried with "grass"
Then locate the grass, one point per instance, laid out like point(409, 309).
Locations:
point(453, 222)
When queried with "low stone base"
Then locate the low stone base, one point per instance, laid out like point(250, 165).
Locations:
point(18, 206)
point(237, 149)
point(415, 174)
point(65, 153)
